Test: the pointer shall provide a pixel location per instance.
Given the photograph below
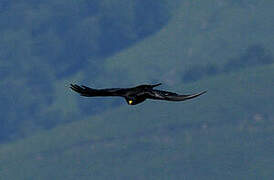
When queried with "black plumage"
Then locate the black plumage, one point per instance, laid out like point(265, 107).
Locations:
point(134, 95)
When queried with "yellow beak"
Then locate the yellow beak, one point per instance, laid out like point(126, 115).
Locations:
point(130, 101)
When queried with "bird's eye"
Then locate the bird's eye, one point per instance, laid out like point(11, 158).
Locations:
point(130, 101)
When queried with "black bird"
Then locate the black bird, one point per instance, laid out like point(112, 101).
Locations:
point(134, 95)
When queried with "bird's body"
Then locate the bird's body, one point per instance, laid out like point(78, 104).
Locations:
point(134, 95)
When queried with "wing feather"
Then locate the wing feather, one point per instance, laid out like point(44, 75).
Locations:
point(89, 92)
point(170, 96)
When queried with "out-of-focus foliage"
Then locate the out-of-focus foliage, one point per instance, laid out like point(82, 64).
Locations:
point(44, 41)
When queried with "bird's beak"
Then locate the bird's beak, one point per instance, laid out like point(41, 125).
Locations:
point(130, 101)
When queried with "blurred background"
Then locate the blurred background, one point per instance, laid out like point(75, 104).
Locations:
point(223, 46)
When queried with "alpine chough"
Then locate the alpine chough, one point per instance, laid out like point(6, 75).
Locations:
point(134, 95)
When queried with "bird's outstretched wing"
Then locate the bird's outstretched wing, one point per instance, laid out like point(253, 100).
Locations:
point(89, 92)
point(170, 96)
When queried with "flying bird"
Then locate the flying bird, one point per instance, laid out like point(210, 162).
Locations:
point(134, 95)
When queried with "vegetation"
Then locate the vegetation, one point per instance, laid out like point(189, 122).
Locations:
point(48, 132)
point(45, 42)
point(225, 134)
point(254, 55)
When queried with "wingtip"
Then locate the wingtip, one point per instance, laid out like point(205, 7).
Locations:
point(75, 87)
point(203, 92)
point(72, 85)
point(155, 85)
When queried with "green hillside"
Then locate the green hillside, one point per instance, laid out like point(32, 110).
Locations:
point(200, 32)
point(227, 133)
point(46, 45)
point(224, 134)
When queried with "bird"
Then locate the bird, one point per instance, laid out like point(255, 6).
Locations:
point(134, 95)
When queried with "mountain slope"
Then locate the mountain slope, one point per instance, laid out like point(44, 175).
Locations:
point(226, 133)
point(200, 32)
